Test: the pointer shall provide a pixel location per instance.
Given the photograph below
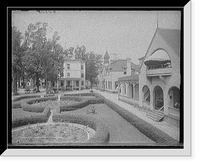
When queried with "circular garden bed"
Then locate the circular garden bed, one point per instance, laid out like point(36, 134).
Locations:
point(52, 133)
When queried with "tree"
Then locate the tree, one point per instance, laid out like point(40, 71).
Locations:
point(36, 39)
point(93, 61)
point(17, 54)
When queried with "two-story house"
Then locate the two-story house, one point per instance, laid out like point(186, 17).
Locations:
point(73, 77)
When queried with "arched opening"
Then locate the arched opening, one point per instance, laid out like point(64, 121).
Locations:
point(158, 99)
point(136, 92)
point(174, 97)
point(130, 90)
point(146, 94)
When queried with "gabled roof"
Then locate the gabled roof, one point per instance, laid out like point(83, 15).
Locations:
point(171, 36)
point(120, 65)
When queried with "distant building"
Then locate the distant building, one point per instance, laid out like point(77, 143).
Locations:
point(112, 70)
point(73, 77)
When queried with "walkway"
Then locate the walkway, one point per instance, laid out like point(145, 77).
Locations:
point(163, 126)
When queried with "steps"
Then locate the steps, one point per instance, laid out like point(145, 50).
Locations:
point(155, 115)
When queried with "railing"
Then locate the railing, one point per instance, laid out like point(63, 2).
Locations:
point(160, 71)
point(161, 109)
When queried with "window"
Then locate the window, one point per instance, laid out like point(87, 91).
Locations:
point(81, 67)
point(82, 83)
point(68, 74)
point(82, 75)
point(68, 66)
point(124, 72)
point(77, 83)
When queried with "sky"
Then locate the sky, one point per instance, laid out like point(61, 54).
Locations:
point(126, 33)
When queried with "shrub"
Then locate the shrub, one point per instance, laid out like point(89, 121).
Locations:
point(32, 119)
point(147, 129)
point(16, 102)
point(26, 104)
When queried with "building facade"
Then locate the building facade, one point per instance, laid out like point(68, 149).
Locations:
point(113, 69)
point(157, 87)
point(73, 77)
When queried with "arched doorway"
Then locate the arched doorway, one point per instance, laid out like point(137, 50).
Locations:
point(146, 94)
point(174, 97)
point(158, 100)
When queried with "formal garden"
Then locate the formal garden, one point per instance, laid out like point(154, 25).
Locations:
point(81, 119)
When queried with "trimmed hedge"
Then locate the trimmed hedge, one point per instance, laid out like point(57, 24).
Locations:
point(83, 102)
point(16, 102)
point(80, 94)
point(35, 108)
point(147, 129)
point(101, 136)
point(37, 118)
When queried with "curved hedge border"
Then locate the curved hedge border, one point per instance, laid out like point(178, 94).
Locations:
point(37, 118)
point(101, 136)
point(147, 129)
point(35, 108)
point(16, 102)
point(82, 103)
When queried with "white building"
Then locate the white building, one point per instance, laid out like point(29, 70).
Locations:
point(73, 77)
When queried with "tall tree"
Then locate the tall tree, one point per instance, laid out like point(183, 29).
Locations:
point(93, 61)
point(17, 54)
point(35, 37)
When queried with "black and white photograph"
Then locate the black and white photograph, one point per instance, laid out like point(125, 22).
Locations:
point(97, 79)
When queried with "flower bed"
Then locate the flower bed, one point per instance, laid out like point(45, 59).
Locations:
point(28, 105)
point(101, 136)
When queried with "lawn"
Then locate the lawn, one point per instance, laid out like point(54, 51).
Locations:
point(120, 131)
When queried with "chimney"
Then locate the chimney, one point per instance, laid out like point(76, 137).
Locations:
point(128, 67)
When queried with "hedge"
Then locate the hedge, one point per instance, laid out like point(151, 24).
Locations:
point(101, 136)
point(147, 129)
point(37, 118)
point(35, 108)
point(81, 104)
point(80, 94)
point(16, 102)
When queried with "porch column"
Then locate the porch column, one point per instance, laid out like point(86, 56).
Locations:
point(165, 99)
point(151, 98)
point(79, 85)
point(65, 83)
point(140, 96)
point(72, 85)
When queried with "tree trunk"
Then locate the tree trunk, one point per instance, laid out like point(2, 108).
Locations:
point(37, 84)
point(23, 81)
point(15, 85)
point(46, 86)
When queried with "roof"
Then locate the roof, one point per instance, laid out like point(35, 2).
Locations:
point(120, 65)
point(171, 36)
point(106, 55)
point(129, 78)
point(158, 57)
point(69, 59)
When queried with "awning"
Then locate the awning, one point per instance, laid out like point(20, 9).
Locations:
point(158, 57)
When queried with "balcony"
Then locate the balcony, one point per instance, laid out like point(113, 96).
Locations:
point(159, 72)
